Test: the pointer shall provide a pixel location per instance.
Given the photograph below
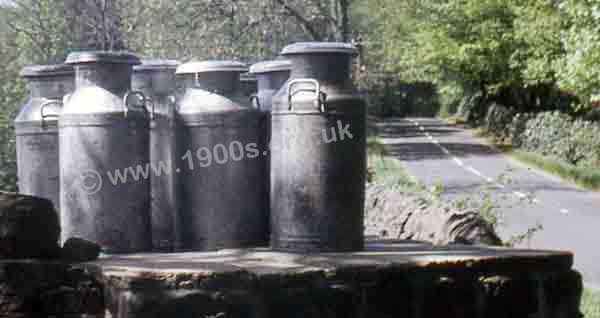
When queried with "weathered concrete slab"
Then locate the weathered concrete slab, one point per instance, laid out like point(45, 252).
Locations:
point(386, 280)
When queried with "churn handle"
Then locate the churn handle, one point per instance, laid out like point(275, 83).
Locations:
point(317, 85)
point(126, 99)
point(151, 109)
point(172, 100)
point(43, 106)
point(255, 101)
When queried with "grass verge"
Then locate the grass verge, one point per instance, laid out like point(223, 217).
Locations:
point(590, 304)
point(382, 168)
point(583, 177)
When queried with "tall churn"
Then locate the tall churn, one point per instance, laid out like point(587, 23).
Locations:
point(318, 152)
point(222, 166)
point(248, 84)
point(36, 130)
point(156, 80)
point(271, 75)
point(104, 152)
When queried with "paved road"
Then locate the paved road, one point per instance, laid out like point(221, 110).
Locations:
point(437, 153)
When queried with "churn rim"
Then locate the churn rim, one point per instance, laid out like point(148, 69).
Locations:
point(271, 66)
point(195, 67)
point(116, 57)
point(320, 47)
point(46, 70)
point(157, 64)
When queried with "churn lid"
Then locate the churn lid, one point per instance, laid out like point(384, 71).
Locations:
point(319, 47)
point(211, 66)
point(47, 70)
point(120, 57)
point(271, 66)
point(156, 64)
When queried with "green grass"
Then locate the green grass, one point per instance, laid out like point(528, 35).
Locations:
point(583, 177)
point(383, 168)
point(586, 178)
point(590, 304)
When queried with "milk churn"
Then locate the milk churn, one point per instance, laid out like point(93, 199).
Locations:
point(248, 84)
point(36, 129)
point(222, 161)
point(156, 80)
point(270, 76)
point(318, 152)
point(104, 141)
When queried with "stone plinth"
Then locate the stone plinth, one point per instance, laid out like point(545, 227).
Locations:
point(387, 280)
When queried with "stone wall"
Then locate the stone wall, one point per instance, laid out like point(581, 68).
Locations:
point(30, 288)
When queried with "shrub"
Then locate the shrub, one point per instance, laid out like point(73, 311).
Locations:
point(472, 107)
point(585, 139)
point(8, 165)
point(450, 96)
point(498, 121)
point(517, 128)
point(548, 134)
point(555, 134)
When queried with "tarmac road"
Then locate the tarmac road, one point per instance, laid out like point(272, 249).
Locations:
point(440, 154)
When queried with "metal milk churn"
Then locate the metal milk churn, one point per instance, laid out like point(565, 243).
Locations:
point(248, 84)
point(36, 129)
point(318, 153)
point(104, 141)
point(156, 80)
point(271, 75)
point(222, 162)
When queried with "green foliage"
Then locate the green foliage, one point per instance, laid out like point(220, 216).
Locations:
point(590, 303)
point(558, 135)
point(588, 178)
point(12, 92)
point(498, 120)
point(492, 46)
point(578, 69)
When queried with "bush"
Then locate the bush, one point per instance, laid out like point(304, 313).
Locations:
point(498, 121)
point(585, 138)
point(387, 95)
point(517, 128)
point(450, 97)
point(472, 107)
point(548, 134)
point(555, 134)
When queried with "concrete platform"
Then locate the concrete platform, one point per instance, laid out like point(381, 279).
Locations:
point(387, 280)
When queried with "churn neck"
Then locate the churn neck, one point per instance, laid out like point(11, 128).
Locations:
point(272, 80)
point(271, 74)
point(155, 78)
point(219, 77)
point(108, 70)
point(51, 87)
point(49, 81)
point(323, 67)
point(323, 61)
point(225, 83)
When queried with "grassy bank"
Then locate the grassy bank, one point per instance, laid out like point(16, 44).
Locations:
point(385, 169)
point(583, 177)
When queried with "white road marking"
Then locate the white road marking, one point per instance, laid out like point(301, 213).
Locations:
point(520, 194)
point(476, 172)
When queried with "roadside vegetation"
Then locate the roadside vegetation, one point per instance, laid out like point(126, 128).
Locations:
point(552, 142)
point(387, 171)
point(590, 304)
